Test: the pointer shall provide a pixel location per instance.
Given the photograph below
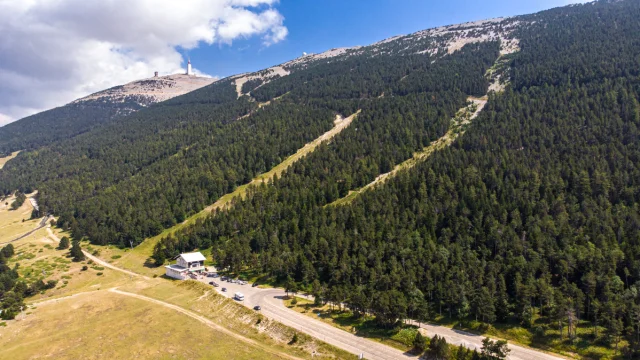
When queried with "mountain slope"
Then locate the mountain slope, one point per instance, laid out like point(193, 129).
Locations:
point(530, 221)
point(86, 113)
point(175, 158)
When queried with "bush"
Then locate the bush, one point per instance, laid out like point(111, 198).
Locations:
point(114, 257)
point(406, 336)
point(99, 274)
point(85, 268)
point(540, 330)
point(64, 243)
point(419, 343)
point(294, 301)
point(76, 252)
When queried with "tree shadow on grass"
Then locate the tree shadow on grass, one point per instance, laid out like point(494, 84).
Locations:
point(151, 264)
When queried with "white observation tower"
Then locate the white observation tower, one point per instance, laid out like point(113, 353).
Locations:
point(189, 71)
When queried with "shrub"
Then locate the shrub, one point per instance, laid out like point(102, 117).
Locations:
point(419, 343)
point(406, 336)
point(294, 301)
point(64, 243)
point(114, 257)
point(85, 268)
point(99, 274)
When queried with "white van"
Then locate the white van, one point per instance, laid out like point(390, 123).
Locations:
point(239, 296)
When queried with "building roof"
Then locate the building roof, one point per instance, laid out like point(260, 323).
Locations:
point(191, 257)
point(176, 267)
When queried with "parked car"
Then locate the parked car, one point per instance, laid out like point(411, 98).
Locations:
point(224, 278)
point(215, 275)
point(254, 284)
point(224, 289)
point(257, 308)
point(241, 282)
point(214, 284)
point(211, 275)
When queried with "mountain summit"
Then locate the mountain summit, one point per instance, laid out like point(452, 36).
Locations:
point(142, 93)
point(88, 112)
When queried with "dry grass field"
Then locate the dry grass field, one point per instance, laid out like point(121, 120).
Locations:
point(14, 223)
point(104, 325)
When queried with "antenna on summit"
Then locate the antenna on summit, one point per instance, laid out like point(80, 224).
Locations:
point(189, 72)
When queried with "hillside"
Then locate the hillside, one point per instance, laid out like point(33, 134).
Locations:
point(91, 111)
point(509, 153)
point(142, 93)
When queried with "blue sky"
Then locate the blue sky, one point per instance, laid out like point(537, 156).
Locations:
point(316, 26)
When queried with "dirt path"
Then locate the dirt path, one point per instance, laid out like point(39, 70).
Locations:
point(205, 321)
point(106, 264)
point(6, 159)
point(56, 300)
point(40, 225)
point(53, 236)
point(339, 124)
point(463, 117)
point(459, 123)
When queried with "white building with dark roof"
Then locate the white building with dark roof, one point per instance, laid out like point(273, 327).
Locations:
point(185, 265)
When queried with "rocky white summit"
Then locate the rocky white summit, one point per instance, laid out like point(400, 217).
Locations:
point(149, 91)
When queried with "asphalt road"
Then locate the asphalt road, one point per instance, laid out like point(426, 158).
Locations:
point(270, 300)
point(273, 307)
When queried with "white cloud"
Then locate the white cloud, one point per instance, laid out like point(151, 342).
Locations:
point(54, 51)
point(5, 119)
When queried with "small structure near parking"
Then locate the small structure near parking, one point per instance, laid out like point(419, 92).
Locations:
point(186, 265)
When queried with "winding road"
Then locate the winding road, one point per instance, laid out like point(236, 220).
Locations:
point(270, 300)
